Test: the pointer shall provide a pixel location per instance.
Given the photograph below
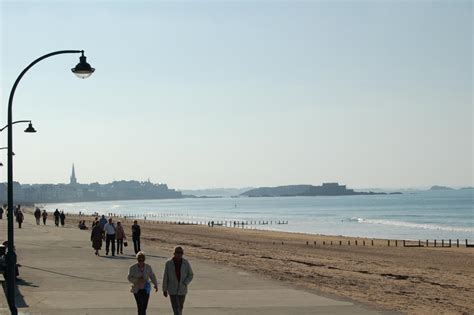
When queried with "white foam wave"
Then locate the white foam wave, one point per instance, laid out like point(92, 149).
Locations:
point(417, 225)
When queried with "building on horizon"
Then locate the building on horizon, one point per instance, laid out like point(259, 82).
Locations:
point(73, 179)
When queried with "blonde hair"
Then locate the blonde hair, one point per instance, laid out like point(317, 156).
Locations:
point(140, 254)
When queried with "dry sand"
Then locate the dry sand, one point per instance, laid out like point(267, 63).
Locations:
point(411, 280)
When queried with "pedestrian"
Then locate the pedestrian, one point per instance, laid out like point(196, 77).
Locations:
point(62, 217)
point(19, 218)
point(96, 221)
point(1, 213)
point(37, 215)
point(176, 278)
point(109, 230)
point(45, 216)
point(139, 275)
point(96, 238)
point(120, 236)
point(15, 212)
point(136, 236)
point(102, 221)
point(56, 217)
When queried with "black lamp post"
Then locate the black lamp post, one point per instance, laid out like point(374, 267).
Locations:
point(82, 70)
point(30, 128)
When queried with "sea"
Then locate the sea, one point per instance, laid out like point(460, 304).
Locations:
point(417, 215)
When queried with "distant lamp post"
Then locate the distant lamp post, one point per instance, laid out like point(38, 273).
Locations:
point(82, 70)
point(30, 128)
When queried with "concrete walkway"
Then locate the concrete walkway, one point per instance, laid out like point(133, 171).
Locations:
point(61, 275)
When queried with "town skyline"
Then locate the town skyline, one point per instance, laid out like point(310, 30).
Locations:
point(73, 180)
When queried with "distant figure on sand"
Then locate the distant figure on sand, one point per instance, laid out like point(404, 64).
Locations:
point(37, 215)
point(176, 278)
point(56, 217)
point(96, 238)
point(120, 236)
point(82, 225)
point(139, 275)
point(19, 218)
point(62, 217)
point(136, 236)
point(45, 216)
point(109, 230)
point(1, 213)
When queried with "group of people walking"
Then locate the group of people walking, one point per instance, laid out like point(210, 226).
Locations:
point(58, 217)
point(113, 234)
point(176, 276)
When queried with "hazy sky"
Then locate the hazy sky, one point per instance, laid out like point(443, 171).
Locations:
point(245, 93)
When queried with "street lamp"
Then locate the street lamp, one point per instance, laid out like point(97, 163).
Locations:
point(30, 129)
point(82, 70)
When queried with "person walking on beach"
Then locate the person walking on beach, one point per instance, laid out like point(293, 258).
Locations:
point(56, 217)
point(37, 215)
point(140, 275)
point(45, 216)
point(1, 213)
point(176, 278)
point(19, 218)
point(109, 230)
point(96, 238)
point(102, 221)
point(62, 217)
point(120, 236)
point(136, 236)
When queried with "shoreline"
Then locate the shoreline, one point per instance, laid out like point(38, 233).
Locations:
point(415, 280)
point(243, 224)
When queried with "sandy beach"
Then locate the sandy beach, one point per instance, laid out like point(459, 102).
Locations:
point(410, 280)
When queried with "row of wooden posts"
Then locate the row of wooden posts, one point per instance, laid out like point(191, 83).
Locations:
point(404, 243)
point(242, 224)
point(225, 223)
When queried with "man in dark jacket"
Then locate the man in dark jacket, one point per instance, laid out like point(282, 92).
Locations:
point(136, 236)
point(56, 217)
point(37, 215)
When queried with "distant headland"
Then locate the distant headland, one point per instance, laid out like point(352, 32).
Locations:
point(435, 187)
point(327, 189)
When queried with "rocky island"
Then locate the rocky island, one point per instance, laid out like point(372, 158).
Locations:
point(327, 189)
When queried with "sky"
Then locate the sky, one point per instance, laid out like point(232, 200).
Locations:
point(242, 93)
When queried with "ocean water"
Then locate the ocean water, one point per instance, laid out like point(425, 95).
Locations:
point(411, 216)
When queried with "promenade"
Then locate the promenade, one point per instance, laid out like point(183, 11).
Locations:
point(61, 275)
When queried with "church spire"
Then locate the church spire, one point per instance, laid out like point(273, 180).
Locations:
point(73, 180)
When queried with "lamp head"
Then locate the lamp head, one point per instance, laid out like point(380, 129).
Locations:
point(30, 128)
point(83, 69)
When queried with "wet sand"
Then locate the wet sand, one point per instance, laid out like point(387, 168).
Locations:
point(410, 280)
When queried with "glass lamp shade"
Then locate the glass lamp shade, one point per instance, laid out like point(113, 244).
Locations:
point(30, 128)
point(83, 69)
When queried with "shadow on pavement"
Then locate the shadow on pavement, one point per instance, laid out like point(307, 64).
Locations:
point(73, 276)
point(25, 283)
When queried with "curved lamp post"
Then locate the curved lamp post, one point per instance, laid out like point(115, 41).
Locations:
point(82, 70)
point(30, 129)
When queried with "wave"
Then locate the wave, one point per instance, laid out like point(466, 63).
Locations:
point(423, 226)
